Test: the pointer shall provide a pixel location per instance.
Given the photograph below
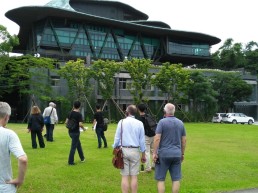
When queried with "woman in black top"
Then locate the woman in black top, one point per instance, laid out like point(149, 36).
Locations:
point(75, 133)
point(35, 127)
point(98, 118)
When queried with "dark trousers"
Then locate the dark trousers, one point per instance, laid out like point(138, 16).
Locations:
point(37, 133)
point(101, 135)
point(49, 132)
point(76, 144)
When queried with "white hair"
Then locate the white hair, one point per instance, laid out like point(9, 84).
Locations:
point(5, 109)
point(169, 109)
point(52, 104)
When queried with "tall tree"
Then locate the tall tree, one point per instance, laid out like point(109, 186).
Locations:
point(173, 80)
point(251, 55)
point(18, 74)
point(202, 96)
point(104, 72)
point(7, 42)
point(139, 70)
point(231, 88)
point(78, 77)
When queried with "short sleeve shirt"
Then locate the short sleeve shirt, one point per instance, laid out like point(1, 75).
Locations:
point(172, 130)
point(9, 143)
point(77, 117)
point(99, 118)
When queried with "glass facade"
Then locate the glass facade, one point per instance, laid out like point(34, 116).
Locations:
point(76, 39)
point(188, 48)
point(99, 42)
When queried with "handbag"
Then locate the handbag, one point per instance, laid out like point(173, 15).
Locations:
point(71, 124)
point(118, 160)
point(47, 119)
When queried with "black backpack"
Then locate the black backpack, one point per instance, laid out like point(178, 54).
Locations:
point(151, 123)
point(105, 124)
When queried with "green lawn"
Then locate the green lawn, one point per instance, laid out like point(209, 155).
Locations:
point(218, 158)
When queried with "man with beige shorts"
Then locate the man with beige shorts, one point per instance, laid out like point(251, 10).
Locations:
point(130, 135)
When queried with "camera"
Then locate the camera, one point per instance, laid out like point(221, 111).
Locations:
point(157, 161)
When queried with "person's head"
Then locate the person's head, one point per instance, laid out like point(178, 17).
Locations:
point(51, 104)
point(169, 109)
point(98, 107)
point(131, 110)
point(35, 110)
point(141, 107)
point(5, 113)
point(77, 104)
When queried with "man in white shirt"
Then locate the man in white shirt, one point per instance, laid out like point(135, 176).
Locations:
point(10, 143)
point(50, 111)
point(130, 135)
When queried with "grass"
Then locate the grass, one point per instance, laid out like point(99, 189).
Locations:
point(218, 158)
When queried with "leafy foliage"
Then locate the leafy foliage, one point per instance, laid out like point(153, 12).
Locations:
point(139, 70)
point(78, 78)
point(202, 96)
point(230, 88)
point(7, 42)
point(234, 55)
point(173, 80)
point(17, 74)
point(103, 72)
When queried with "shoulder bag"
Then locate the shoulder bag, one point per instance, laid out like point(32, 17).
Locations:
point(47, 119)
point(118, 160)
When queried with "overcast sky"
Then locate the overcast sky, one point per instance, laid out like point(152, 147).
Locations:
point(221, 18)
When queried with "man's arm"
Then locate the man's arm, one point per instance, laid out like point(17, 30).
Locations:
point(156, 146)
point(183, 145)
point(22, 168)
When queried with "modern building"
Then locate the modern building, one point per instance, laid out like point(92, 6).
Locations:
point(96, 29)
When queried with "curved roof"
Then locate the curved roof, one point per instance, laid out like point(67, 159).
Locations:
point(102, 3)
point(153, 23)
point(26, 16)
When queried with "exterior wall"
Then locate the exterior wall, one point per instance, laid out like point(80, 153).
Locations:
point(65, 39)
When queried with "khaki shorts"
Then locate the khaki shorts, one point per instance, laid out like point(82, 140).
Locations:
point(131, 161)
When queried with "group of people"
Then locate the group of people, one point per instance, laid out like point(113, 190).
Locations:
point(137, 141)
point(167, 144)
point(36, 124)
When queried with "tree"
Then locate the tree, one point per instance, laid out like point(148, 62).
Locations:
point(18, 74)
point(104, 72)
point(78, 77)
point(251, 55)
point(173, 80)
point(202, 97)
point(231, 88)
point(7, 42)
point(139, 70)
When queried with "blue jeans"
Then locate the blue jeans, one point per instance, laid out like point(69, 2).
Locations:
point(101, 135)
point(76, 144)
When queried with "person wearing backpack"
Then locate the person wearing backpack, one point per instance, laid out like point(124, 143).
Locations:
point(149, 136)
point(99, 120)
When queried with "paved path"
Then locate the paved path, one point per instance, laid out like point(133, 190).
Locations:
point(246, 191)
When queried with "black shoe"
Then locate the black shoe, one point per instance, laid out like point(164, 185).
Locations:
point(105, 146)
point(71, 164)
point(83, 160)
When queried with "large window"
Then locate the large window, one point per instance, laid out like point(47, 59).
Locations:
point(188, 48)
point(97, 41)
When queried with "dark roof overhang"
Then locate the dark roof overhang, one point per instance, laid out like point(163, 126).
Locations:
point(124, 6)
point(184, 59)
point(152, 23)
point(26, 16)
